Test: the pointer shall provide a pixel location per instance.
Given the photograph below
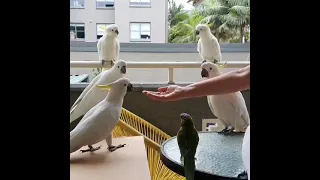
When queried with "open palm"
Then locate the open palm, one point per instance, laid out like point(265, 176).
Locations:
point(169, 93)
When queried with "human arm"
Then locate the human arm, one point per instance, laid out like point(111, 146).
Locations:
point(233, 81)
point(227, 83)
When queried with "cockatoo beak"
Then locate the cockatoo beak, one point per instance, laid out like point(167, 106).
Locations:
point(104, 87)
point(223, 65)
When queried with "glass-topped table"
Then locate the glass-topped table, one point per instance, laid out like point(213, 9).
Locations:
point(218, 156)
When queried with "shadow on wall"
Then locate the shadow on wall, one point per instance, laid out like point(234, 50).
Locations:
point(165, 115)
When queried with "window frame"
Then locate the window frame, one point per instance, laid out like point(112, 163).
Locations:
point(140, 4)
point(139, 40)
point(84, 26)
point(105, 7)
point(78, 7)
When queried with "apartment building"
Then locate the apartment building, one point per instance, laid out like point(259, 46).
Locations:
point(138, 20)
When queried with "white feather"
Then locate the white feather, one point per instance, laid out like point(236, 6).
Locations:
point(108, 48)
point(98, 123)
point(208, 45)
point(246, 151)
point(93, 95)
point(229, 108)
point(108, 45)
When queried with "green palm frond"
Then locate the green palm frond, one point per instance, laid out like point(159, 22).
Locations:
point(224, 28)
point(223, 3)
point(182, 28)
point(176, 13)
point(178, 18)
point(214, 20)
point(210, 3)
point(234, 20)
point(238, 2)
point(184, 32)
point(229, 20)
point(214, 10)
point(240, 10)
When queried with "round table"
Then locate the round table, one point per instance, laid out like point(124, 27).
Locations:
point(218, 156)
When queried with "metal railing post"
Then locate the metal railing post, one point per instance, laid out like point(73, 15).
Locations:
point(170, 76)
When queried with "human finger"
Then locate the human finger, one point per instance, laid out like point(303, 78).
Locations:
point(162, 89)
point(157, 97)
point(152, 92)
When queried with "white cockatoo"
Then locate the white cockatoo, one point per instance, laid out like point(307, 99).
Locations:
point(246, 151)
point(230, 108)
point(109, 46)
point(98, 123)
point(208, 45)
point(91, 95)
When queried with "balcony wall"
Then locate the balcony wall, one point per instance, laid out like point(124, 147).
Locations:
point(164, 115)
point(157, 52)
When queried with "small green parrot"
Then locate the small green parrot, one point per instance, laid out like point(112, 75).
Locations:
point(188, 140)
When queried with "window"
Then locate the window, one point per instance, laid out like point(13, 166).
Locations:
point(76, 3)
point(104, 3)
point(100, 29)
point(140, 31)
point(77, 31)
point(140, 2)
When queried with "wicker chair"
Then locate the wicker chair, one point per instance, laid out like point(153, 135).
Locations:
point(132, 125)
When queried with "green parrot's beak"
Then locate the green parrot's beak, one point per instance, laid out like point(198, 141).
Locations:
point(104, 87)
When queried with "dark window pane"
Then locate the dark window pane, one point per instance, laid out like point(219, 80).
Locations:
point(72, 28)
point(145, 36)
point(109, 4)
point(80, 35)
point(80, 28)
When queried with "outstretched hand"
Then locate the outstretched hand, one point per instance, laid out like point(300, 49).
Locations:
point(169, 93)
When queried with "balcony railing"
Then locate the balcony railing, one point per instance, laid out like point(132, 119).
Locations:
point(155, 65)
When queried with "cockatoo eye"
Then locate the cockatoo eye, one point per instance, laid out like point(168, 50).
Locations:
point(118, 66)
point(125, 85)
point(210, 68)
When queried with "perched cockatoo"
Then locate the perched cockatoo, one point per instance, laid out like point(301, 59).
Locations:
point(109, 46)
point(208, 45)
point(91, 95)
point(230, 108)
point(98, 123)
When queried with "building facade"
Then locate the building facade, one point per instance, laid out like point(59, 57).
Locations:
point(138, 20)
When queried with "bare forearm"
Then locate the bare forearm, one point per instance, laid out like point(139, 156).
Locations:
point(227, 83)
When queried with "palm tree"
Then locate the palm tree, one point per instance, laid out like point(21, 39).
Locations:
point(227, 17)
point(176, 13)
point(184, 32)
point(193, 1)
